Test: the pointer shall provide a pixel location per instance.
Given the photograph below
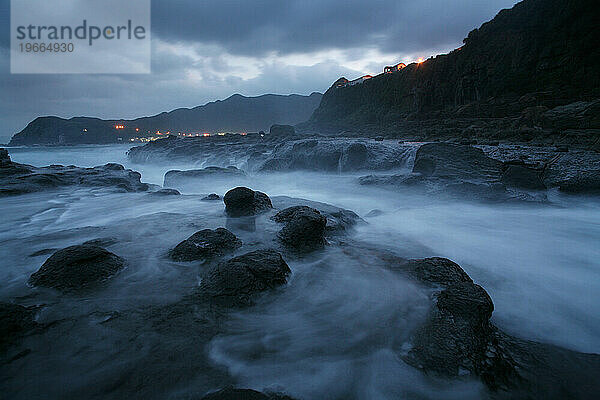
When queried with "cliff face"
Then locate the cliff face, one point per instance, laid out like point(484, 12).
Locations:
point(545, 48)
point(236, 113)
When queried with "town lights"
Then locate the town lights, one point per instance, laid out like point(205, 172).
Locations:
point(118, 127)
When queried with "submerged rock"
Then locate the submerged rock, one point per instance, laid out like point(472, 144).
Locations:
point(233, 282)
point(77, 267)
point(242, 201)
point(206, 244)
point(15, 321)
point(304, 228)
point(166, 192)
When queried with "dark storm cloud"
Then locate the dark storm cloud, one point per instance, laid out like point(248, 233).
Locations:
point(258, 27)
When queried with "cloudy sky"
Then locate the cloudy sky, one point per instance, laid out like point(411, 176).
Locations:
point(206, 50)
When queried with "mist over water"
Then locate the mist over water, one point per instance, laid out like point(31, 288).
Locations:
point(336, 329)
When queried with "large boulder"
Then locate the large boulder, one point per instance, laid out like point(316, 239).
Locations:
point(77, 267)
point(206, 244)
point(242, 201)
point(454, 340)
point(304, 228)
point(233, 282)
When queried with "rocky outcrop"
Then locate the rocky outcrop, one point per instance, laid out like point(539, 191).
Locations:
point(242, 202)
point(19, 178)
point(335, 156)
point(536, 54)
point(177, 179)
point(206, 244)
point(211, 197)
point(304, 228)
point(76, 268)
point(234, 282)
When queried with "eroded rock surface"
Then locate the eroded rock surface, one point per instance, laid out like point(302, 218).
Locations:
point(304, 228)
point(77, 267)
point(206, 244)
point(233, 282)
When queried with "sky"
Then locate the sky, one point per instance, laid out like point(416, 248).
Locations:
point(208, 50)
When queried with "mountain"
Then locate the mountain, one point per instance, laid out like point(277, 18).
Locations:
point(234, 114)
point(540, 53)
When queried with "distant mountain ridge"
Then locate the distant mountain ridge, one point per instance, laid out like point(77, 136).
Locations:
point(540, 53)
point(237, 113)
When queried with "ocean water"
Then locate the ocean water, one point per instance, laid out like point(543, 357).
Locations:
point(334, 330)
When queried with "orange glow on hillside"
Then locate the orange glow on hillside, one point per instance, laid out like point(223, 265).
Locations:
point(420, 60)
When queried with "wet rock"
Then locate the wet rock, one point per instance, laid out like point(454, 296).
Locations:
point(19, 178)
point(242, 201)
point(15, 321)
point(354, 157)
point(244, 394)
point(519, 176)
point(448, 160)
point(435, 270)
point(211, 197)
point(304, 228)
point(585, 183)
point(206, 244)
point(177, 179)
point(455, 338)
point(166, 192)
point(233, 282)
point(77, 267)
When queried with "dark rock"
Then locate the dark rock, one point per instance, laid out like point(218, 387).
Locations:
point(304, 228)
point(166, 192)
point(436, 270)
point(77, 267)
point(521, 177)
point(562, 149)
point(355, 157)
point(244, 394)
point(19, 178)
point(15, 321)
point(447, 160)
point(242, 201)
point(206, 244)
point(581, 184)
point(233, 282)
point(282, 130)
point(176, 178)
point(4, 157)
point(456, 336)
point(211, 197)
